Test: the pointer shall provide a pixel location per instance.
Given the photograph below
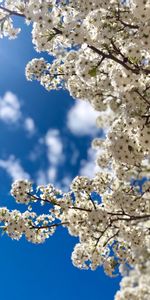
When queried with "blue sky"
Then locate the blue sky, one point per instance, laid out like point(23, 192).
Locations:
point(33, 123)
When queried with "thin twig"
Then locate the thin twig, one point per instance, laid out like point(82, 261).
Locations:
point(110, 238)
point(146, 101)
point(50, 226)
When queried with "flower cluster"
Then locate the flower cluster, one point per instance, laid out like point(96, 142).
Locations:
point(135, 286)
point(21, 191)
point(101, 55)
point(112, 230)
point(17, 224)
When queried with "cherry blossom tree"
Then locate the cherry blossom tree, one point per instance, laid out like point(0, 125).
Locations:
point(100, 51)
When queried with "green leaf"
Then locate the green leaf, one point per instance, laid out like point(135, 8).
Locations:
point(51, 37)
point(93, 72)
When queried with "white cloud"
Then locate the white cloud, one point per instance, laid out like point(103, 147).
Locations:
point(55, 155)
point(65, 183)
point(41, 177)
point(14, 169)
point(54, 146)
point(81, 119)
point(9, 108)
point(89, 167)
point(29, 125)
point(52, 173)
point(46, 176)
point(10, 112)
point(75, 156)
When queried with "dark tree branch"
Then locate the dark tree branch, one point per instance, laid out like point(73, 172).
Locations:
point(11, 12)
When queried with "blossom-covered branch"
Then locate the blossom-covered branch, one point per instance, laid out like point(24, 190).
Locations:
point(101, 55)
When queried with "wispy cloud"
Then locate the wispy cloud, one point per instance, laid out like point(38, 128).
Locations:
point(55, 155)
point(10, 113)
point(81, 119)
point(88, 166)
point(13, 168)
point(29, 126)
point(54, 146)
point(41, 177)
point(9, 108)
